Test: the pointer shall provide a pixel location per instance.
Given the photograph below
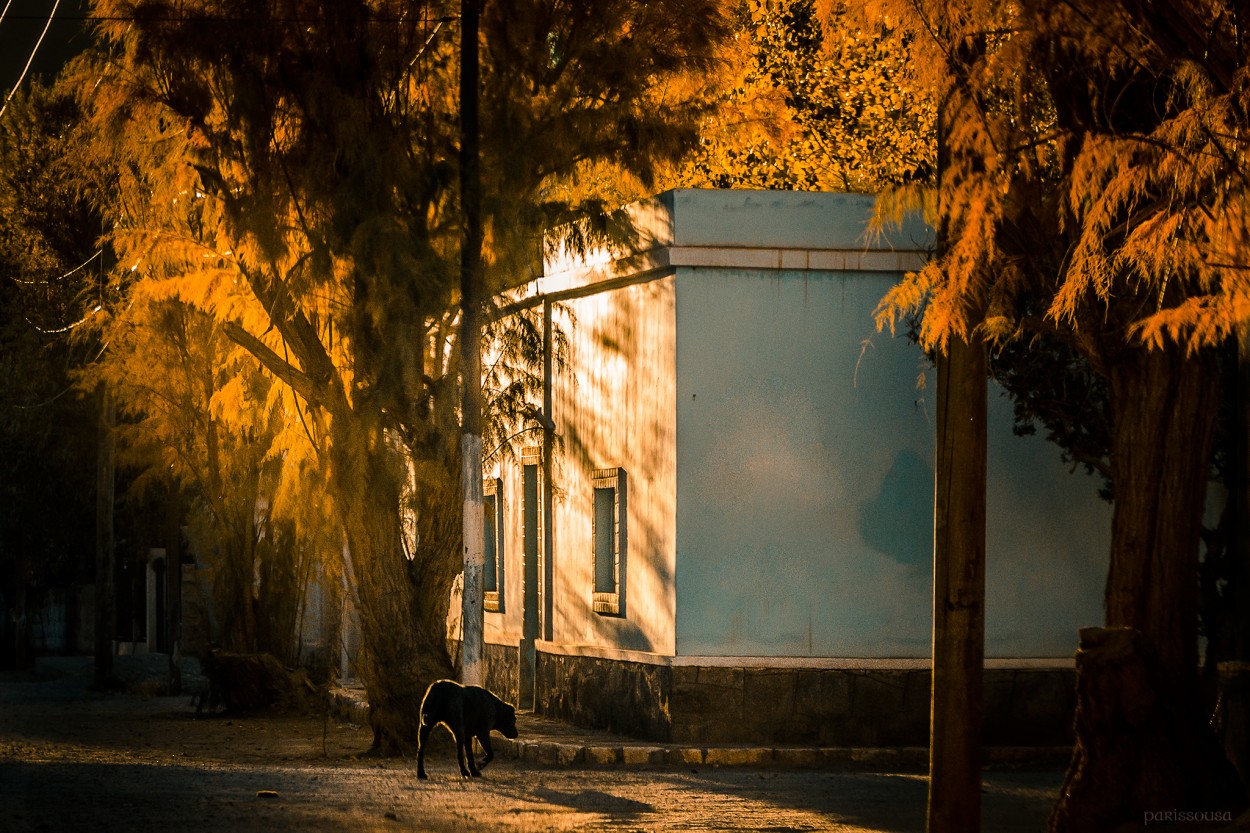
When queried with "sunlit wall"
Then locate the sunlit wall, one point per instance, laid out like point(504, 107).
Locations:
point(779, 451)
point(616, 410)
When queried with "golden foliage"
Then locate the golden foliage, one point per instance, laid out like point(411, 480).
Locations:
point(1110, 142)
point(817, 95)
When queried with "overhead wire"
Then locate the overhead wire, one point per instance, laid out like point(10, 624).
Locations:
point(31, 59)
point(67, 327)
point(39, 282)
point(218, 18)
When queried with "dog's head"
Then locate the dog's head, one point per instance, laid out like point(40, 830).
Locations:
point(505, 720)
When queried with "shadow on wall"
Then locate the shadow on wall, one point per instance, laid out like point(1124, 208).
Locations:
point(898, 521)
point(616, 410)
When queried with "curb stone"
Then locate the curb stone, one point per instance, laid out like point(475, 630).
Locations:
point(552, 753)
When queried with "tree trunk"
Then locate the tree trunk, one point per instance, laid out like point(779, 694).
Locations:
point(1143, 743)
point(401, 657)
point(1239, 499)
point(1234, 675)
point(21, 618)
point(1141, 747)
point(1164, 409)
point(958, 591)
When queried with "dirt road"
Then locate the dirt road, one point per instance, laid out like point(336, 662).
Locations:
point(74, 761)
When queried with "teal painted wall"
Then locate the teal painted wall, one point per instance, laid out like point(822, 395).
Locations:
point(780, 219)
point(805, 484)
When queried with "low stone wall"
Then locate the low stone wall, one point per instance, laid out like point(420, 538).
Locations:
point(823, 707)
point(629, 698)
point(807, 706)
point(1030, 706)
point(502, 670)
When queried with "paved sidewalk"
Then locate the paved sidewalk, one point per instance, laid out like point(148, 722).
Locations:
point(550, 742)
point(143, 764)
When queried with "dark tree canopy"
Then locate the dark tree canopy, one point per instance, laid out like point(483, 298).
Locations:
point(48, 259)
point(290, 171)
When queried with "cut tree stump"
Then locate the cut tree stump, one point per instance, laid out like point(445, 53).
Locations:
point(1142, 745)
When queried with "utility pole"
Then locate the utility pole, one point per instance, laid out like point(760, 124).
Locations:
point(958, 590)
point(958, 665)
point(471, 348)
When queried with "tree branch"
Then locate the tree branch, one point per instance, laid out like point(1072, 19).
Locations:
point(275, 364)
point(298, 332)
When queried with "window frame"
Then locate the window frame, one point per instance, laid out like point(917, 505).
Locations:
point(493, 600)
point(603, 601)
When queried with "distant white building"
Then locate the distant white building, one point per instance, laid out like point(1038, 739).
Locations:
point(732, 537)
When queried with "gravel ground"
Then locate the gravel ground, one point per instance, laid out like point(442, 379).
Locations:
point(76, 761)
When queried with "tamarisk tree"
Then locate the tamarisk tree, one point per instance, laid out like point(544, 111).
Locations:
point(1094, 197)
point(290, 169)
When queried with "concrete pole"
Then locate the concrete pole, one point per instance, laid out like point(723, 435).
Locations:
point(472, 664)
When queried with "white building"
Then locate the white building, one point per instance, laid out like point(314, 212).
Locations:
point(730, 536)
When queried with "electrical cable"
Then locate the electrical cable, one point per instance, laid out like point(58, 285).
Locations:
point(31, 59)
point(67, 327)
point(59, 278)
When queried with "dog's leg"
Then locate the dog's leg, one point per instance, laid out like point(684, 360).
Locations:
point(473, 772)
point(490, 753)
point(464, 749)
point(423, 735)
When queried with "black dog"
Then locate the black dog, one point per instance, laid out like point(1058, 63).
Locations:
point(468, 712)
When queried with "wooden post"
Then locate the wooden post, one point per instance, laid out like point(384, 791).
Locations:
point(958, 591)
point(471, 349)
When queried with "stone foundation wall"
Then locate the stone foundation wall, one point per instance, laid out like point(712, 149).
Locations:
point(797, 706)
point(630, 698)
point(502, 670)
point(804, 706)
point(1030, 706)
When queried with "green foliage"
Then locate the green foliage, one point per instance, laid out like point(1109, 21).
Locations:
point(1053, 385)
point(1090, 207)
point(201, 417)
point(1118, 131)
